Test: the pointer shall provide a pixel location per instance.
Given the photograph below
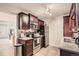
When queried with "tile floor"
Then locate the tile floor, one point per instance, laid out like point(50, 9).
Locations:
point(49, 51)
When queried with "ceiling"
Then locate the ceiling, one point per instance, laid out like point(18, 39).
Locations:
point(38, 9)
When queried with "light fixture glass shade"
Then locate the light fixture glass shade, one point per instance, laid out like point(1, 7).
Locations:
point(48, 10)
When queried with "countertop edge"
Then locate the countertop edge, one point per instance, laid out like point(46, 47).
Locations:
point(67, 50)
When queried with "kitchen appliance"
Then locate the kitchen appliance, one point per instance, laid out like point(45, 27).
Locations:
point(77, 39)
point(36, 43)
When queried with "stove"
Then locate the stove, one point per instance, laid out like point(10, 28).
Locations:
point(36, 45)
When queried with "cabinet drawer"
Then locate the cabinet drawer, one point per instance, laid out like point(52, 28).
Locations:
point(29, 41)
point(29, 44)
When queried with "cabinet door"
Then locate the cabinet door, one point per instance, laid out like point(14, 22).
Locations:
point(34, 22)
point(67, 31)
point(29, 50)
point(29, 47)
point(23, 21)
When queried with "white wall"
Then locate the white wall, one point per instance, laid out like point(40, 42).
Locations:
point(6, 47)
point(56, 31)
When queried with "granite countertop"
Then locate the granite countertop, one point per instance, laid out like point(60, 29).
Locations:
point(39, 36)
point(25, 38)
point(69, 47)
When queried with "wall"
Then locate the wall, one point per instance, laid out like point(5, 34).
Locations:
point(6, 47)
point(56, 31)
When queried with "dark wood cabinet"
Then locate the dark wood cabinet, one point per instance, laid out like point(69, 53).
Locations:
point(23, 21)
point(34, 23)
point(27, 47)
point(70, 22)
point(67, 31)
point(68, 53)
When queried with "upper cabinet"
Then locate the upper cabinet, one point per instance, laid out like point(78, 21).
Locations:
point(29, 21)
point(23, 21)
point(67, 31)
point(34, 22)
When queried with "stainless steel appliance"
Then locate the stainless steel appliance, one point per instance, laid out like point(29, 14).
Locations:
point(36, 44)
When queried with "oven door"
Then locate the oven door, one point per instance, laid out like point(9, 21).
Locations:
point(36, 43)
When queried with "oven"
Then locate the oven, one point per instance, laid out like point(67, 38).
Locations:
point(36, 45)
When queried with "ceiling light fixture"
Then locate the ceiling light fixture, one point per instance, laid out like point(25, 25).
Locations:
point(48, 10)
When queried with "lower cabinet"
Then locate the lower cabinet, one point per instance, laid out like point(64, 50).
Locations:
point(27, 47)
point(68, 53)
